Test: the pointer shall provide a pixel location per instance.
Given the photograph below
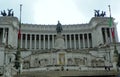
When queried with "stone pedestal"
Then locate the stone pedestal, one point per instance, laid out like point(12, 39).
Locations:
point(59, 41)
point(115, 60)
point(115, 66)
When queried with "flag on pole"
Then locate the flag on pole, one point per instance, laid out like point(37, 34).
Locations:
point(111, 23)
point(113, 33)
point(18, 53)
point(19, 34)
point(19, 31)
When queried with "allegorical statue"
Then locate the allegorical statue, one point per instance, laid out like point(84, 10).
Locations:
point(10, 13)
point(98, 14)
point(59, 27)
point(103, 14)
point(3, 13)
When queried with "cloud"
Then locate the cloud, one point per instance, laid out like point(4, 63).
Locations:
point(67, 11)
point(27, 10)
point(52, 10)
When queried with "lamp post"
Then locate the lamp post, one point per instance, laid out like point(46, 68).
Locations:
point(4, 60)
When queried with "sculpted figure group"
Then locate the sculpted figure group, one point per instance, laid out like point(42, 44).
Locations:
point(98, 14)
point(10, 12)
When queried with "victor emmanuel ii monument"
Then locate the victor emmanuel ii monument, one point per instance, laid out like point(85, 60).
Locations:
point(58, 50)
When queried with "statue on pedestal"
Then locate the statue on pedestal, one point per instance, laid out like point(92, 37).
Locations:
point(59, 41)
point(59, 27)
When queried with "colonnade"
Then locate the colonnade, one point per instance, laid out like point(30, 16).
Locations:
point(107, 35)
point(47, 41)
point(40, 41)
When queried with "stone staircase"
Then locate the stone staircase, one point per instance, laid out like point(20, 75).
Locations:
point(68, 73)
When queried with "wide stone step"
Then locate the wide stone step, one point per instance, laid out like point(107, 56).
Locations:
point(67, 73)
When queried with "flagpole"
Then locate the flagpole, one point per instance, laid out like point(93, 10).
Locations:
point(20, 15)
point(19, 39)
point(109, 10)
point(115, 56)
point(18, 48)
point(113, 32)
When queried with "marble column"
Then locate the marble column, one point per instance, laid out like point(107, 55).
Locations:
point(3, 35)
point(88, 40)
point(106, 35)
point(66, 40)
point(30, 41)
point(39, 41)
point(79, 41)
point(83, 40)
point(43, 41)
point(48, 41)
point(53, 41)
point(35, 41)
point(25, 40)
point(70, 40)
point(74, 42)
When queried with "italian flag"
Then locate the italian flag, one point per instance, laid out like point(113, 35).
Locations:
point(19, 34)
point(113, 33)
point(112, 29)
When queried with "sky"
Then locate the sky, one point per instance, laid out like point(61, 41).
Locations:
point(66, 11)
